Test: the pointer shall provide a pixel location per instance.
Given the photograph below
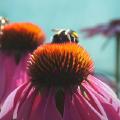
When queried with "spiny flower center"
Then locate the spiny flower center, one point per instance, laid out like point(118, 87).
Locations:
point(59, 65)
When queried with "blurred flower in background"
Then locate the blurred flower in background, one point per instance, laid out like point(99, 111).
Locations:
point(17, 41)
point(111, 29)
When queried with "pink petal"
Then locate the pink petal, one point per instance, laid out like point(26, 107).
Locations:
point(108, 104)
point(8, 106)
point(11, 75)
point(22, 105)
point(20, 73)
point(81, 109)
point(7, 69)
point(100, 87)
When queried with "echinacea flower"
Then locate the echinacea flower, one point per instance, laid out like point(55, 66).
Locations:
point(63, 71)
point(17, 41)
point(111, 29)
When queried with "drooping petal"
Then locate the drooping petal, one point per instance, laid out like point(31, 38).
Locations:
point(26, 103)
point(103, 89)
point(46, 108)
point(11, 75)
point(108, 102)
point(7, 69)
point(21, 75)
point(81, 109)
point(8, 106)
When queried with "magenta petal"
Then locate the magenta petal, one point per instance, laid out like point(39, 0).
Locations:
point(20, 75)
point(24, 110)
point(70, 112)
point(111, 113)
point(103, 89)
point(45, 109)
point(48, 109)
point(27, 104)
point(81, 109)
point(8, 106)
point(22, 96)
point(108, 104)
point(7, 69)
point(11, 75)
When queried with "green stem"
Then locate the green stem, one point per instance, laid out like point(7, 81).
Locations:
point(117, 59)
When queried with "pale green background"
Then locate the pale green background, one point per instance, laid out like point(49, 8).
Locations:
point(74, 14)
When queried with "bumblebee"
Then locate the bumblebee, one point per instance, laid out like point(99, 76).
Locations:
point(65, 35)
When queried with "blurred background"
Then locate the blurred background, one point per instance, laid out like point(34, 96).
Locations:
point(76, 14)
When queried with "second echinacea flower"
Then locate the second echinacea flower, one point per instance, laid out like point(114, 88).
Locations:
point(17, 41)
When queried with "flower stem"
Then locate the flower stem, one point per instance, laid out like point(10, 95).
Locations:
point(117, 60)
